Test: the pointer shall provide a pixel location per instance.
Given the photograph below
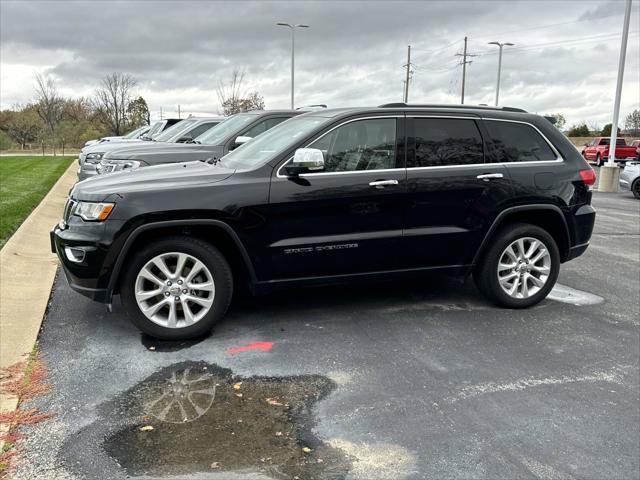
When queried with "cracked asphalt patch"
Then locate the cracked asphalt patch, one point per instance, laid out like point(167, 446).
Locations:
point(413, 379)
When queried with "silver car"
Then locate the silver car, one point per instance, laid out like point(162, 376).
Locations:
point(183, 131)
point(630, 178)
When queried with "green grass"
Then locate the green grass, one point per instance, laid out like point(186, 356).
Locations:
point(24, 181)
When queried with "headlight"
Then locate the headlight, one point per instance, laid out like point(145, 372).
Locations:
point(94, 157)
point(93, 211)
point(120, 165)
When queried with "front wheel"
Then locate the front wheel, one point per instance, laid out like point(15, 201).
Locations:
point(177, 288)
point(635, 188)
point(520, 267)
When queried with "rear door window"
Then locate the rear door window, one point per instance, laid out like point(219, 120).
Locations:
point(446, 141)
point(517, 142)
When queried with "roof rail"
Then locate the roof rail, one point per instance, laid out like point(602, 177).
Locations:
point(477, 107)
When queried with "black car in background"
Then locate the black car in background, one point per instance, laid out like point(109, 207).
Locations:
point(212, 144)
point(335, 196)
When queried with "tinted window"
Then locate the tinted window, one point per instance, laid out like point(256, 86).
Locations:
point(446, 142)
point(359, 145)
point(200, 129)
point(517, 142)
point(262, 127)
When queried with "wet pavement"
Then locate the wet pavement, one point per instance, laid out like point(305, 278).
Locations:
point(414, 379)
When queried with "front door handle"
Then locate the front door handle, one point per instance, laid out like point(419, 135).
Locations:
point(488, 176)
point(383, 183)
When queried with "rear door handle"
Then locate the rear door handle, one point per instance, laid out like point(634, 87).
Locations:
point(489, 176)
point(383, 183)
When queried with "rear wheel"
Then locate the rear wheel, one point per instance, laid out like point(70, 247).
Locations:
point(599, 161)
point(635, 188)
point(177, 288)
point(520, 267)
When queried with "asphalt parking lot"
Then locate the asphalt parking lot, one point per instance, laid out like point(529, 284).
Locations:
point(420, 379)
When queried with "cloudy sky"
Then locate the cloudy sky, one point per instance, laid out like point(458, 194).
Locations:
point(565, 58)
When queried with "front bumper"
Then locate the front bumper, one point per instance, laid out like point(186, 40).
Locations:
point(85, 255)
point(87, 170)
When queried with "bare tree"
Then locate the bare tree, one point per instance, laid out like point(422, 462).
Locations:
point(112, 99)
point(233, 99)
point(49, 104)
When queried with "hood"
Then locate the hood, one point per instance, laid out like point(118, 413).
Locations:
point(107, 146)
point(157, 153)
point(154, 179)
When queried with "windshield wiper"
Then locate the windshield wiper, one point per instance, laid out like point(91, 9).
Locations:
point(210, 161)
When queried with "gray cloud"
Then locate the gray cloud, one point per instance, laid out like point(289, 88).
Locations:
point(352, 54)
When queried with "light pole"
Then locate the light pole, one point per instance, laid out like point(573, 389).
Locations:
point(293, 50)
point(500, 65)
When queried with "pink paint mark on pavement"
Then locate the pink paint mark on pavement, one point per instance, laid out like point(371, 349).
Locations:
point(256, 345)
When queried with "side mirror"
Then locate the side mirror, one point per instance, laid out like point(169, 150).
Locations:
point(241, 140)
point(305, 160)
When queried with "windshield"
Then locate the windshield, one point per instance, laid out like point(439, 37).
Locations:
point(136, 133)
point(264, 147)
point(176, 131)
point(154, 130)
point(218, 134)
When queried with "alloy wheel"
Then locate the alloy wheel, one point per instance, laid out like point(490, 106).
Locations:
point(524, 267)
point(174, 290)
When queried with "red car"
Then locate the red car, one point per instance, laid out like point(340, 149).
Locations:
point(597, 150)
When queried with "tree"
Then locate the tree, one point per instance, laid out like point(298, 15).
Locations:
point(23, 125)
point(233, 99)
point(606, 130)
point(580, 130)
point(49, 104)
point(560, 120)
point(138, 113)
point(112, 99)
point(632, 123)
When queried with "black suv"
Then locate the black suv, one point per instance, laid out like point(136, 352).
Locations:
point(335, 195)
point(212, 143)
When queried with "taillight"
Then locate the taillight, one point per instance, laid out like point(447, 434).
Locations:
point(588, 176)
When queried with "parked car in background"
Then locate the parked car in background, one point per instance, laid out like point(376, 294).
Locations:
point(334, 196)
point(636, 145)
point(630, 178)
point(180, 132)
point(134, 135)
point(213, 144)
point(597, 151)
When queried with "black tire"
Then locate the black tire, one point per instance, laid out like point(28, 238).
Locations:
point(599, 161)
point(210, 256)
point(486, 276)
point(635, 188)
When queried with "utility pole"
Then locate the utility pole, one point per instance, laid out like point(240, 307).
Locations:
point(160, 113)
point(406, 82)
point(610, 173)
point(178, 112)
point(464, 56)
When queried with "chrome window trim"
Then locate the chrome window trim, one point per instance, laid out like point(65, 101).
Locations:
point(376, 117)
point(559, 158)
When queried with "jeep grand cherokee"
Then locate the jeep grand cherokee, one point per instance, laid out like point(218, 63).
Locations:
point(335, 196)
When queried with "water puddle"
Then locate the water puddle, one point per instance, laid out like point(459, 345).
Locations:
point(562, 293)
point(198, 419)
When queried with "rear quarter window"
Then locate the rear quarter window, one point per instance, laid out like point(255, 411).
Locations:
point(517, 142)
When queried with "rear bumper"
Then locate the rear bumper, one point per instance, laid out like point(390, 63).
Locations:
point(584, 219)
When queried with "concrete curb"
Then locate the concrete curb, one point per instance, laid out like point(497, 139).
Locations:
point(27, 271)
